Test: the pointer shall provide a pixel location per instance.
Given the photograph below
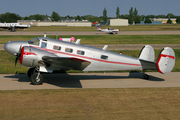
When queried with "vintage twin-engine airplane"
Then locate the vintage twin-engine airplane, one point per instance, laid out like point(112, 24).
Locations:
point(109, 30)
point(46, 55)
point(13, 26)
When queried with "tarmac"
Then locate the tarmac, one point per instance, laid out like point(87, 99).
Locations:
point(91, 80)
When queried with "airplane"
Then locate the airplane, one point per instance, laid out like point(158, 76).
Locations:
point(109, 30)
point(44, 55)
point(13, 26)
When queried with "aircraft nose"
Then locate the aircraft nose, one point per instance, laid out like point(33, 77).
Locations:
point(11, 48)
point(14, 46)
point(8, 47)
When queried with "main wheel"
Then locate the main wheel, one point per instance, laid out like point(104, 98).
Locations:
point(31, 71)
point(36, 79)
point(146, 76)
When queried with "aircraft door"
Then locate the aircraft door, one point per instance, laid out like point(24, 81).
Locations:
point(43, 44)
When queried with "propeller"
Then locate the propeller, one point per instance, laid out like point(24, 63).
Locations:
point(18, 55)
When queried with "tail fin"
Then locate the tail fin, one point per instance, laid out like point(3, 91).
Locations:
point(166, 60)
point(98, 28)
point(147, 53)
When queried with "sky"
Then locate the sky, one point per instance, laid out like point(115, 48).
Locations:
point(89, 7)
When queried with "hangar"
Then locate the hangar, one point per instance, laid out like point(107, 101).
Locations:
point(117, 22)
point(164, 20)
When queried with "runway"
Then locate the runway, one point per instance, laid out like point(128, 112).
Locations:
point(89, 33)
point(91, 80)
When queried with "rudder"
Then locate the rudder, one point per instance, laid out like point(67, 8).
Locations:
point(166, 60)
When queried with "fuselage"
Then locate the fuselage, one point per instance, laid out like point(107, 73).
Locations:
point(101, 60)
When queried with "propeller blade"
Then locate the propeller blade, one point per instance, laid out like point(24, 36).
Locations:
point(18, 55)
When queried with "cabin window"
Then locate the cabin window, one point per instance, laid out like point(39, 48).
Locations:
point(43, 45)
point(80, 52)
point(34, 41)
point(56, 47)
point(104, 57)
point(69, 50)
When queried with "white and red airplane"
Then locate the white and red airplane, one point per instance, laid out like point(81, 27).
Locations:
point(13, 26)
point(44, 54)
point(109, 30)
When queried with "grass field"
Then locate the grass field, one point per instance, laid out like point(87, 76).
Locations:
point(91, 104)
point(164, 27)
point(106, 39)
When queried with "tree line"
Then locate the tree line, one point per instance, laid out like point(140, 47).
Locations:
point(132, 17)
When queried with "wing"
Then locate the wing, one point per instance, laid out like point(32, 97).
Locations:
point(66, 63)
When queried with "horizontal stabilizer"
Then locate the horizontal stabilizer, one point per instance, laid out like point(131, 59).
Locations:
point(166, 60)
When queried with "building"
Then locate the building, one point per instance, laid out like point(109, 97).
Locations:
point(50, 23)
point(117, 22)
point(164, 20)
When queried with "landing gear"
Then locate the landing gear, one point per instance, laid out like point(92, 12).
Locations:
point(31, 71)
point(36, 79)
point(35, 76)
point(145, 76)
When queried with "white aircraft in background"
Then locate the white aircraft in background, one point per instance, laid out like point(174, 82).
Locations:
point(13, 26)
point(109, 30)
point(44, 54)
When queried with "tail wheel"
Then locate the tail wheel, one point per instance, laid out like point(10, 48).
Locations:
point(36, 79)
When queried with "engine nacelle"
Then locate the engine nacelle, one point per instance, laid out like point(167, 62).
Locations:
point(31, 57)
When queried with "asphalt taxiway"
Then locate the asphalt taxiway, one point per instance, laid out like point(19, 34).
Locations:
point(91, 80)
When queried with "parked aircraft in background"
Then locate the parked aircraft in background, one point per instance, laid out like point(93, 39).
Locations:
point(44, 54)
point(109, 30)
point(13, 26)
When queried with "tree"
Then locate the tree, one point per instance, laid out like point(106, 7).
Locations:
point(26, 18)
point(55, 16)
point(37, 17)
point(131, 17)
point(169, 21)
point(117, 12)
point(137, 19)
point(178, 20)
point(9, 17)
point(78, 18)
point(170, 15)
point(147, 20)
point(105, 15)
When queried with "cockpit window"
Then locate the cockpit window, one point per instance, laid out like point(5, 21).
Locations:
point(34, 41)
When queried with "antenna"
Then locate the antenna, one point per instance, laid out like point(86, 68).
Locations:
point(45, 35)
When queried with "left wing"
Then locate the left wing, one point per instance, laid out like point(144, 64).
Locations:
point(68, 63)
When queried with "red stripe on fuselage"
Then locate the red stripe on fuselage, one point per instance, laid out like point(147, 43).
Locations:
point(55, 52)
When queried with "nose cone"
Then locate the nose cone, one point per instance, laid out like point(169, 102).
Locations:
point(13, 46)
point(8, 48)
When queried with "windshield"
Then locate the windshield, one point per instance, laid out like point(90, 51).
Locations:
point(34, 41)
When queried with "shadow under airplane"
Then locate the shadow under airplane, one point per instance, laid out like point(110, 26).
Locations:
point(73, 81)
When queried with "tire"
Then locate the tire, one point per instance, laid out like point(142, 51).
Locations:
point(146, 76)
point(30, 72)
point(35, 80)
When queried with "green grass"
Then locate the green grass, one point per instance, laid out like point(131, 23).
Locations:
point(91, 104)
point(7, 62)
point(106, 39)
